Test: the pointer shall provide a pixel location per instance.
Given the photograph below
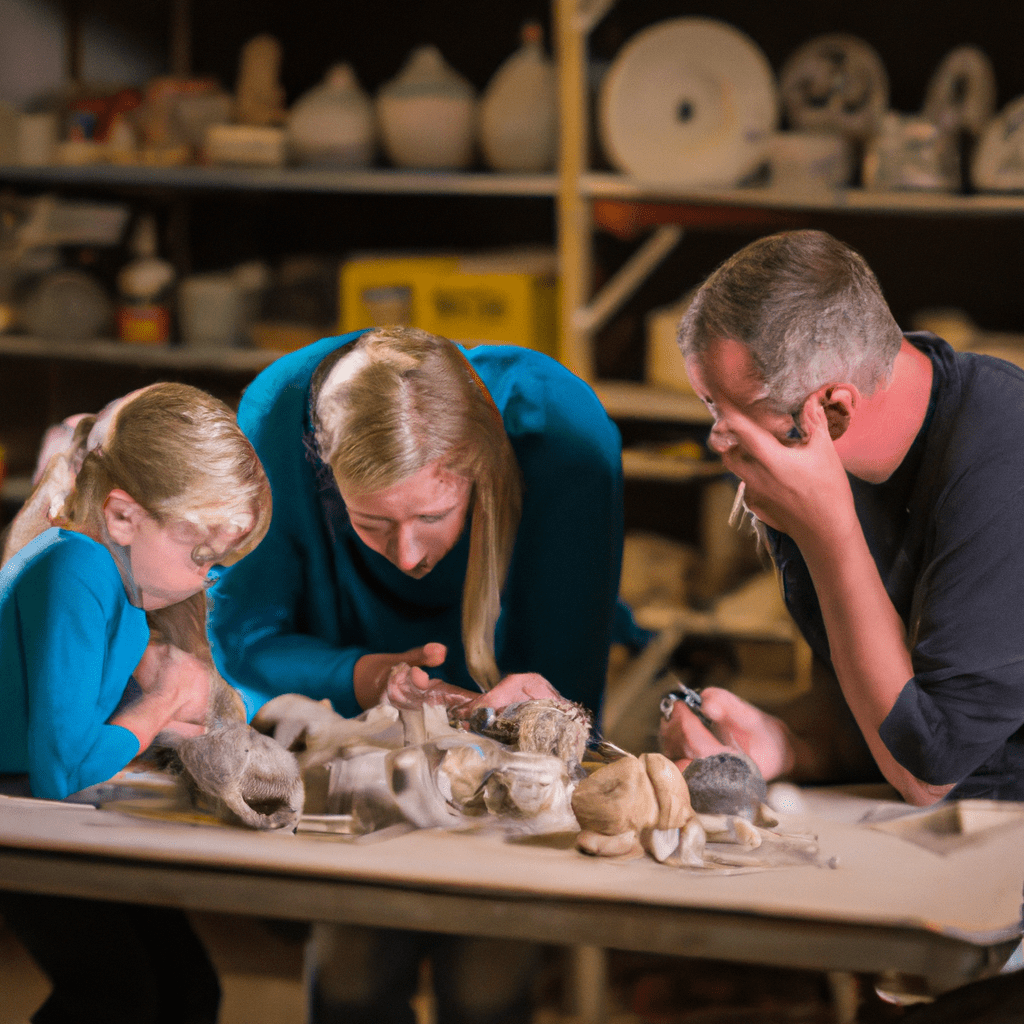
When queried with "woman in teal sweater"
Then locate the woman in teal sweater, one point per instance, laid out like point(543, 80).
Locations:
point(456, 511)
point(325, 608)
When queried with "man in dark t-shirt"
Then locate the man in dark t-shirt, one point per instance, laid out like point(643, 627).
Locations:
point(884, 473)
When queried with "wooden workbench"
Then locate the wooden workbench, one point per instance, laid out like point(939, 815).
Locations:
point(932, 894)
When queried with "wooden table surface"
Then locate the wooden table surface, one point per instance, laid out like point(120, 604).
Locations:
point(933, 894)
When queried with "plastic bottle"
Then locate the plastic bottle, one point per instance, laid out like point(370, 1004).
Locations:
point(144, 287)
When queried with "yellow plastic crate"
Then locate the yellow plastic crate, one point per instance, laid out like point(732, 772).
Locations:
point(502, 297)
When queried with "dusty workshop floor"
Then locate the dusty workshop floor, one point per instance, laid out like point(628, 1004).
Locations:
point(261, 974)
point(260, 969)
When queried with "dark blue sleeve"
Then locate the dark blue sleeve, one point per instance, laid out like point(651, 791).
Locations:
point(966, 631)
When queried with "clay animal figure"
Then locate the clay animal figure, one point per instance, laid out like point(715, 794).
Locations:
point(546, 726)
point(642, 805)
point(243, 775)
point(391, 765)
point(239, 772)
point(636, 806)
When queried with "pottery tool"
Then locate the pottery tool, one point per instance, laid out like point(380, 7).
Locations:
point(691, 698)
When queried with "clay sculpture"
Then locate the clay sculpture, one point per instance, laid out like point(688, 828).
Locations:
point(410, 765)
point(727, 784)
point(638, 805)
point(546, 726)
point(642, 805)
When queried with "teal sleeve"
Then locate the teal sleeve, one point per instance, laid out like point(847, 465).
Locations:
point(74, 683)
point(559, 603)
point(256, 639)
point(275, 616)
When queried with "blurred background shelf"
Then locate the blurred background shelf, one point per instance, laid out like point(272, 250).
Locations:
point(642, 464)
point(633, 400)
point(171, 357)
point(284, 179)
point(606, 185)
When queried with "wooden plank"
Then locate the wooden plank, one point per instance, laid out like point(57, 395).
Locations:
point(943, 961)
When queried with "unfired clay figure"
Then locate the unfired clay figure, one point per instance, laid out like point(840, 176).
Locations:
point(259, 96)
point(390, 765)
point(641, 805)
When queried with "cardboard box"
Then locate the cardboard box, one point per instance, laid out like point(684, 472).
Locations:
point(665, 366)
point(506, 297)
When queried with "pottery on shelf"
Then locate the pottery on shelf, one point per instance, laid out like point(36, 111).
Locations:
point(961, 95)
point(836, 83)
point(910, 152)
point(259, 95)
point(998, 162)
point(427, 114)
point(518, 123)
point(334, 124)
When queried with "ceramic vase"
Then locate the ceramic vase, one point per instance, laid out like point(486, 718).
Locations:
point(518, 122)
point(334, 124)
point(427, 114)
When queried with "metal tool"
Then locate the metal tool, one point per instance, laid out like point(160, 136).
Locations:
point(691, 698)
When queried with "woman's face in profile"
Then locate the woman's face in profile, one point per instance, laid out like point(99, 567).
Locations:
point(415, 523)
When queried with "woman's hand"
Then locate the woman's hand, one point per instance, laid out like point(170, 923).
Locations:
point(512, 689)
point(372, 671)
point(409, 688)
point(739, 726)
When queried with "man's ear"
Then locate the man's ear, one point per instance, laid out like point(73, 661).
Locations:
point(122, 514)
point(839, 402)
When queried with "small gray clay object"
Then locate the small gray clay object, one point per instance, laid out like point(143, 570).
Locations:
point(725, 784)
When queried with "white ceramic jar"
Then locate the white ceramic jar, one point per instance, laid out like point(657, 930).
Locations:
point(519, 109)
point(334, 124)
point(427, 114)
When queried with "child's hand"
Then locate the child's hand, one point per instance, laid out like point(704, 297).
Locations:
point(184, 729)
point(176, 679)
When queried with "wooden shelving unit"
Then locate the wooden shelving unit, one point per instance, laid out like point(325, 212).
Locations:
point(229, 360)
point(585, 201)
point(195, 178)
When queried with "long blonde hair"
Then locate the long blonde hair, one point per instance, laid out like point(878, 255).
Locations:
point(404, 400)
point(180, 454)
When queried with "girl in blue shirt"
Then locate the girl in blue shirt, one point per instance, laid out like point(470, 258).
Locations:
point(167, 487)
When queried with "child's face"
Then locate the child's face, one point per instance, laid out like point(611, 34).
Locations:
point(170, 563)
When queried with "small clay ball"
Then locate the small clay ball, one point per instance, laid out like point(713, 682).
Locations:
point(725, 784)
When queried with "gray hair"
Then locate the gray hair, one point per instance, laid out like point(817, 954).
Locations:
point(807, 307)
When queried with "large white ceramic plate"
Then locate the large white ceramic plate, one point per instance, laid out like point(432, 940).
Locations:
point(688, 103)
